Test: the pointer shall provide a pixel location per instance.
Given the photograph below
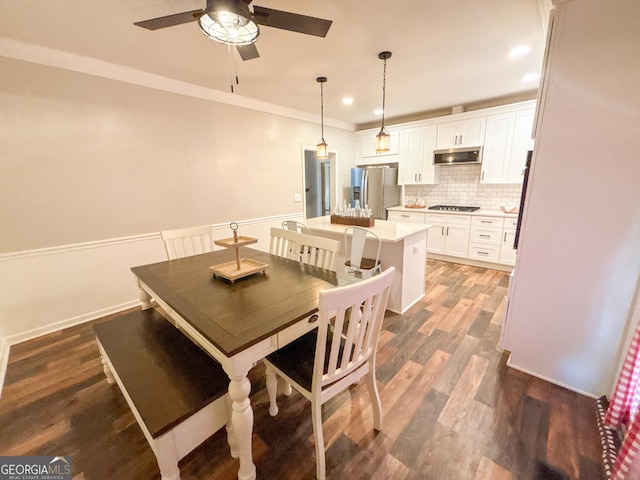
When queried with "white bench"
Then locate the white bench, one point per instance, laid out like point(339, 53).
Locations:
point(176, 392)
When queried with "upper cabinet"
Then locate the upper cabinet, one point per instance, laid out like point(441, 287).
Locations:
point(461, 133)
point(507, 140)
point(416, 155)
point(366, 148)
point(504, 132)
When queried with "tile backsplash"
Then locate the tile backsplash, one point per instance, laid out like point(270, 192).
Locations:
point(460, 185)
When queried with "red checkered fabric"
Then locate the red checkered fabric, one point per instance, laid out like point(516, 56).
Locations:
point(623, 412)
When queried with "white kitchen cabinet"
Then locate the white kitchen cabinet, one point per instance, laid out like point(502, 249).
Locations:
point(484, 238)
point(522, 143)
point(507, 252)
point(416, 155)
point(461, 133)
point(506, 142)
point(449, 234)
point(407, 217)
point(366, 147)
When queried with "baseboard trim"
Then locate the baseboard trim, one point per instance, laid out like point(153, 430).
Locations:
point(469, 261)
point(550, 380)
point(7, 342)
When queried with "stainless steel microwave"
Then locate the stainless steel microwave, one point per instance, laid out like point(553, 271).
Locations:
point(457, 156)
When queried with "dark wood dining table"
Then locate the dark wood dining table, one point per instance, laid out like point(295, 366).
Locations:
point(237, 323)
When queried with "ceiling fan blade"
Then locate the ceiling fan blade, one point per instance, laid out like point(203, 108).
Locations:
point(248, 52)
point(291, 21)
point(170, 20)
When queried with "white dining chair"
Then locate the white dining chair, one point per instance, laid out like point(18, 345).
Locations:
point(284, 243)
point(339, 353)
point(296, 226)
point(357, 263)
point(309, 249)
point(184, 242)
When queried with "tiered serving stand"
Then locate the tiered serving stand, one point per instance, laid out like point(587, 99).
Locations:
point(240, 267)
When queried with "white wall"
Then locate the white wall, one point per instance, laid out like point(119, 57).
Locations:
point(91, 169)
point(579, 257)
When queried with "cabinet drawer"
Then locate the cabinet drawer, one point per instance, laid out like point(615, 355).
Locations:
point(296, 330)
point(510, 223)
point(409, 217)
point(487, 221)
point(486, 253)
point(486, 235)
point(448, 219)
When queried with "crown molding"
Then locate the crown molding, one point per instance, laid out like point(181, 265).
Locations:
point(90, 66)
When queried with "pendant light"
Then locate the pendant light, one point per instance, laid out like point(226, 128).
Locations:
point(322, 150)
point(383, 138)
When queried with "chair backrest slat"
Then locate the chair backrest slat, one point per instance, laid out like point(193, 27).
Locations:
point(355, 313)
point(184, 242)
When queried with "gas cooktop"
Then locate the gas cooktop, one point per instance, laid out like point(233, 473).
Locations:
point(454, 208)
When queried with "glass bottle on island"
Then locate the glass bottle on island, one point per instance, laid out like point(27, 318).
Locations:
point(356, 212)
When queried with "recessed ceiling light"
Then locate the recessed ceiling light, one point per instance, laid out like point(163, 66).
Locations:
point(519, 51)
point(347, 100)
point(377, 111)
point(531, 77)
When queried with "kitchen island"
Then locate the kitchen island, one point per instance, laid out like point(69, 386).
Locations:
point(404, 246)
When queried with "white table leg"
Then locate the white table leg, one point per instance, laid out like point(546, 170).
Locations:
point(242, 424)
point(145, 299)
point(231, 434)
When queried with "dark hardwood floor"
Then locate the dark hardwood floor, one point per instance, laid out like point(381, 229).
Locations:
point(452, 408)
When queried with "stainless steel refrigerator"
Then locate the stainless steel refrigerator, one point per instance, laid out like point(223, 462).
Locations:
point(377, 187)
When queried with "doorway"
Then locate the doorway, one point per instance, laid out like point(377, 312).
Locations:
point(319, 183)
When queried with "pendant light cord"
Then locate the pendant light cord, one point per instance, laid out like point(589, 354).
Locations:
point(384, 83)
point(322, 110)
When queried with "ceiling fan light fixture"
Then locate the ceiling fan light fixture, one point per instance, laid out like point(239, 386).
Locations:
point(383, 139)
point(229, 22)
point(322, 149)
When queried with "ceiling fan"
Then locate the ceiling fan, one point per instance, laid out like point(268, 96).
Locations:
point(232, 23)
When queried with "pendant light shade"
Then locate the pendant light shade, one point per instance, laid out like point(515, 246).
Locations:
point(229, 22)
point(322, 150)
point(383, 139)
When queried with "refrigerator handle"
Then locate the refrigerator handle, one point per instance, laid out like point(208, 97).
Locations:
point(365, 188)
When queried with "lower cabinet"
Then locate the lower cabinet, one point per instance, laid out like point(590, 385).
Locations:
point(449, 234)
point(484, 240)
point(487, 239)
point(507, 252)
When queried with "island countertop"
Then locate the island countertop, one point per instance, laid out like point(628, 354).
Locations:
point(387, 231)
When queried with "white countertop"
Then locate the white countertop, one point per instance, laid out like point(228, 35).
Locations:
point(386, 230)
point(482, 212)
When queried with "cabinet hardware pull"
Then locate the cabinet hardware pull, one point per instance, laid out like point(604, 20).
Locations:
point(313, 318)
point(483, 253)
point(447, 230)
point(505, 237)
point(404, 216)
point(486, 221)
point(420, 177)
point(483, 175)
point(460, 139)
point(415, 177)
point(485, 236)
point(442, 231)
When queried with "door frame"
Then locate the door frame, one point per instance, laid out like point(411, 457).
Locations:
point(333, 181)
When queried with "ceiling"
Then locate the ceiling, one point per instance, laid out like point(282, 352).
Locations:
point(445, 52)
